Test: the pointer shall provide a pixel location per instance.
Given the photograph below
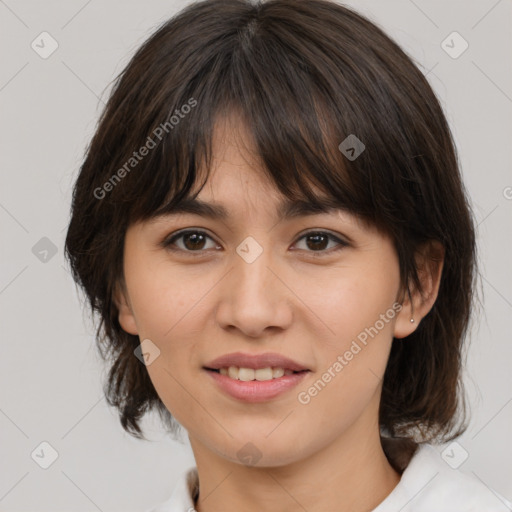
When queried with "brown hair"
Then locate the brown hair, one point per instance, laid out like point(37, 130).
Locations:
point(304, 76)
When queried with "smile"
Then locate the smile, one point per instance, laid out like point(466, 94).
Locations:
point(255, 385)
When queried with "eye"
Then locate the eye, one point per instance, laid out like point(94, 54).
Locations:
point(317, 241)
point(194, 241)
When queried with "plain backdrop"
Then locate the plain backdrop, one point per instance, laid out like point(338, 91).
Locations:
point(51, 376)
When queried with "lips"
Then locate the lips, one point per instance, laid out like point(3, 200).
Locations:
point(255, 391)
point(255, 361)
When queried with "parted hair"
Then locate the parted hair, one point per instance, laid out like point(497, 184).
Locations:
point(304, 76)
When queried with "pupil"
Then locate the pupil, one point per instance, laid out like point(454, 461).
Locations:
point(196, 240)
point(316, 237)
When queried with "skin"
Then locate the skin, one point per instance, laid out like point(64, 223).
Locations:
point(195, 309)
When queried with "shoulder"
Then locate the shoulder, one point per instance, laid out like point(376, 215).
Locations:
point(429, 483)
point(182, 497)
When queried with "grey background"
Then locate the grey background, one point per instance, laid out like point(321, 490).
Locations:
point(50, 374)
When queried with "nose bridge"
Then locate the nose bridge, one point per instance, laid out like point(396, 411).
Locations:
point(251, 299)
point(252, 262)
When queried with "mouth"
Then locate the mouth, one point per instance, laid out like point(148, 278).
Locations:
point(255, 385)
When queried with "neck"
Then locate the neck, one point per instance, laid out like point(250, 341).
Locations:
point(351, 473)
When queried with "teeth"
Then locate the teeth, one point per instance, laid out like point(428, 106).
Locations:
point(279, 372)
point(247, 374)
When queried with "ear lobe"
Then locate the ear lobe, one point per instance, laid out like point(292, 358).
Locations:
point(418, 302)
point(125, 316)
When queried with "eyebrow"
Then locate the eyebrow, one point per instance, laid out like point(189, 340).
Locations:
point(287, 209)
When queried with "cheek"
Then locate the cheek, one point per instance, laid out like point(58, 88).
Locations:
point(351, 300)
point(163, 298)
point(357, 307)
point(167, 305)
point(170, 306)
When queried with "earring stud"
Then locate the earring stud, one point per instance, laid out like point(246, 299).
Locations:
point(412, 320)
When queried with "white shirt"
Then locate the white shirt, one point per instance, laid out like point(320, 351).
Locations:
point(428, 484)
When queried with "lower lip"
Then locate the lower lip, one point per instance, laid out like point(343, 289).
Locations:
point(256, 390)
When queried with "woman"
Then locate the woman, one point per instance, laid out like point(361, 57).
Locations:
point(271, 224)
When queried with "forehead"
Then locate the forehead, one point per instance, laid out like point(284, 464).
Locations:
point(237, 184)
point(237, 176)
point(223, 207)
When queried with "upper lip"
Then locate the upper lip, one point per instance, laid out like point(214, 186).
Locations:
point(255, 361)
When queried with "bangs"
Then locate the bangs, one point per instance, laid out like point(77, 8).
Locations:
point(298, 102)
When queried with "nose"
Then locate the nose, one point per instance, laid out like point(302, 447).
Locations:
point(254, 297)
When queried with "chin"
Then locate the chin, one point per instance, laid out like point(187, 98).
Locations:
point(260, 451)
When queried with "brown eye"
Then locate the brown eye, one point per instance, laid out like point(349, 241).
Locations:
point(191, 241)
point(195, 243)
point(318, 241)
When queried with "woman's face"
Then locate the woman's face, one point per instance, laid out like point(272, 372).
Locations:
point(253, 283)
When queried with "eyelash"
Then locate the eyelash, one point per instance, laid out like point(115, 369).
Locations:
point(168, 243)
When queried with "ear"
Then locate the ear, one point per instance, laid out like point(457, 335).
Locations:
point(416, 304)
point(126, 317)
